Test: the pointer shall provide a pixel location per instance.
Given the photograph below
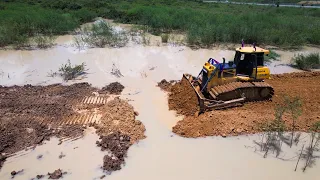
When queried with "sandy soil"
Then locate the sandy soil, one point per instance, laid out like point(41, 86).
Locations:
point(248, 118)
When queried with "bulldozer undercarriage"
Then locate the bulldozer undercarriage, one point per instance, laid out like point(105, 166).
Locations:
point(231, 94)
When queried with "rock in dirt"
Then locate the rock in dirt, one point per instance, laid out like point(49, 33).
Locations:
point(119, 115)
point(247, 119)
point(103, 176)
point(113, 88)
point(56, 174)
point(183, 98)
point(118, 144)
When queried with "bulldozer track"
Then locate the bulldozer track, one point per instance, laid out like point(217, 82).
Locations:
point(88, 117)
point(253, 91)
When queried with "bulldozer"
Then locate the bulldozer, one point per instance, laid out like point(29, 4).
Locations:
point(220, 84)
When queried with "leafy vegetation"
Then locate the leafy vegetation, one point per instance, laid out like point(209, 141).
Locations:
point(204, 23)
point(69, 72)
point(307, 61)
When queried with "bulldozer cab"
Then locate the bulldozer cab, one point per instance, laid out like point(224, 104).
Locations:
point(249, 63)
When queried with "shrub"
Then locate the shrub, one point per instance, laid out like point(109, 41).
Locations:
point(69, 72)
point(306, 61)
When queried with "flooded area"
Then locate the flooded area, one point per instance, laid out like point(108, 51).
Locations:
point(162, 155)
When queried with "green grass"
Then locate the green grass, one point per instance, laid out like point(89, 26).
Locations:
point(18, 22)
point(307, 61)
point(204, 23)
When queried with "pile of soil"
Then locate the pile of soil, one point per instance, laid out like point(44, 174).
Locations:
point(165, 85)
point(119, 115)
point(113, 88)
point(118, 144)
point(183, 99)
point(248, 118)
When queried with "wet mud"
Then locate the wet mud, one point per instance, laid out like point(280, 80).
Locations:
point(113, 88)
point(247, 119)
point(57, 174)
point(118, 144)
point(29, 115)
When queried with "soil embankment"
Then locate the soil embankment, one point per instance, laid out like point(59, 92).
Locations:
point(31, 114)
point(247, 118)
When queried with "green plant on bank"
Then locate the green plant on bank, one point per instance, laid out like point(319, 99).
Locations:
point(272, 56)
point(164, 38)
point(306, 61)
point(69, 72)
point(100, 34)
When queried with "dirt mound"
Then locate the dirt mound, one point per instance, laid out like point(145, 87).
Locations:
point(113, 88)
point(183, 98)
point(118, 144)
point(119, 115)
point(165, 85)
point(247, 119)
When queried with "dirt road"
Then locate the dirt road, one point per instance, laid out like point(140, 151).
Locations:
point(247, 119)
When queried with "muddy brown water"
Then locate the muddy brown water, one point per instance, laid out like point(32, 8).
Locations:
point(162, 155)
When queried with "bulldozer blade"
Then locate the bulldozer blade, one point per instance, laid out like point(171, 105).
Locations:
point(207, 104)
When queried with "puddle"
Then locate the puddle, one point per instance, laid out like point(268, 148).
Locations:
point(162, 155)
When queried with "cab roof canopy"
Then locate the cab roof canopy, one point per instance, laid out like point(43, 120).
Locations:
point(252, 50)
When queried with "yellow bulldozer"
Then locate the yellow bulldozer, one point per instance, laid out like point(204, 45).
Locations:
point(221, 85)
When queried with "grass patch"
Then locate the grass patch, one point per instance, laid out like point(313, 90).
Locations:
point(306, 61)
point(100, 34)
point(19, 22)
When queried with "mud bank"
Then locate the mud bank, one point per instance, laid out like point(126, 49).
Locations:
point(247, 119)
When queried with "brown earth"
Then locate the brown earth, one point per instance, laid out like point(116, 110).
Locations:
point(248, 118)
point(119, 115)
point(118, 144)
point(113, 88)
point(183, 99)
